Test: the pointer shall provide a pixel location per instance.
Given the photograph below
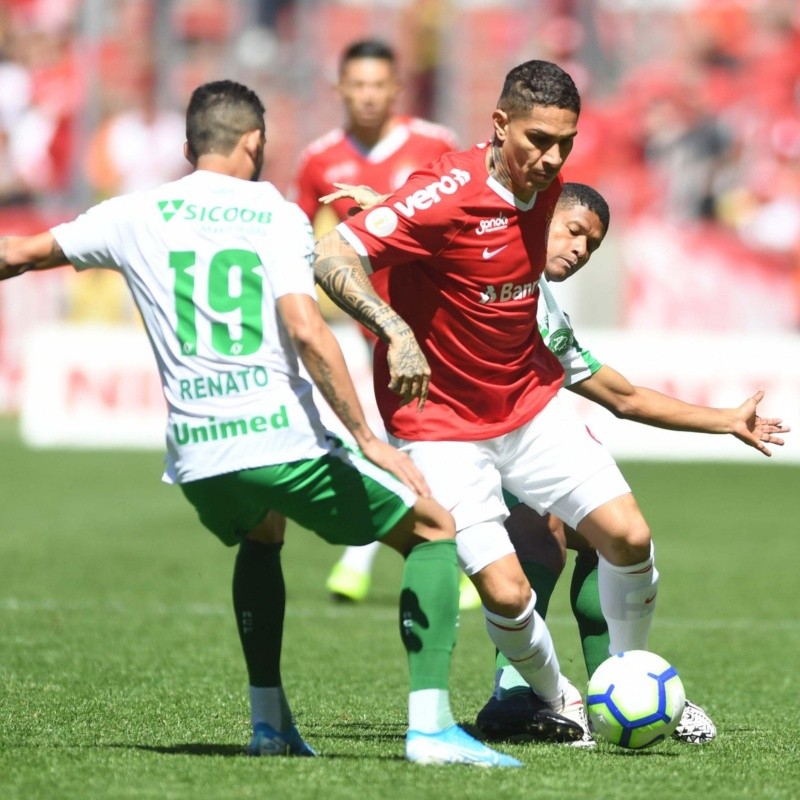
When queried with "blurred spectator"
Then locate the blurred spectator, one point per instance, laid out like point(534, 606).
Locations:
point(137, 148)
point(685, 146)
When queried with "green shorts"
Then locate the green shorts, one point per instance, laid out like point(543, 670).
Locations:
point(341, 496)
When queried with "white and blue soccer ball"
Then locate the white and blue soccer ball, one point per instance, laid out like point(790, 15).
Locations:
point(635, 699)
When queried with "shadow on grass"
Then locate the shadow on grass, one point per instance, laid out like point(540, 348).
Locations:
point(342, 731)
point(237, 751)
point(190, 749)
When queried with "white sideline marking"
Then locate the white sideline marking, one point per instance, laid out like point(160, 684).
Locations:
point(333, 611)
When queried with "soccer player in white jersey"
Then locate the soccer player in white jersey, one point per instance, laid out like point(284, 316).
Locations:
point(219, 266)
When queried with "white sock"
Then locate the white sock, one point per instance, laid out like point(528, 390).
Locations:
point(628, 600)
point(525, 641)
point(360, 558)
point(269, 704)
point(429, 710)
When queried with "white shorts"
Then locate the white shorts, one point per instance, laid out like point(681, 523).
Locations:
point(552, 464)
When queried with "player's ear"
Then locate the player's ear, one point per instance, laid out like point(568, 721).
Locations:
point(253, 142)
point(188, 154)
point(500, 122)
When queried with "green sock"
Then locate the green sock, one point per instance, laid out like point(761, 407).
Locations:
point(259, 602)
point(585, 600)
point(507, 679)
point(429, 612)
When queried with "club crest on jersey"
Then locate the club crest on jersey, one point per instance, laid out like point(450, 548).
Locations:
point(381, 221)
point(498, 223)
point(560, 341)
point(508, 291)
point(432, 193)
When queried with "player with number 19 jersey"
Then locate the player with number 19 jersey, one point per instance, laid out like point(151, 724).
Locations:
point(473, 312)
point(206, 258)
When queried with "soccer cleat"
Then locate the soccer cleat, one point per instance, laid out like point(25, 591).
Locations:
point(572, 708)
point(468, 597)
point(346, 583)
point(454, 745)
point(695, 726)
point(267, 741)
point(523, 717)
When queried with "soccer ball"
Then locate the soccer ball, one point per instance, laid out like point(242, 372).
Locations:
point(635, 699)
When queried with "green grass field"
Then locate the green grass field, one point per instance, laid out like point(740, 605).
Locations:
point(120, 673)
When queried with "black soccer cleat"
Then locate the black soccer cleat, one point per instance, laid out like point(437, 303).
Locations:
point(523, 717)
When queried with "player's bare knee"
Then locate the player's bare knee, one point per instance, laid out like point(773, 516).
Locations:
point(502, 590)
point(630, 545)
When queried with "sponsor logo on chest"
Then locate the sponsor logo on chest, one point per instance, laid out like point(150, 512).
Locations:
point(498, 223)
point(382, 221)
point(431, 194)
point(508, 291)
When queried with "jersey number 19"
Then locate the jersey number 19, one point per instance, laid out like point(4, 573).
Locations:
point(246, 303)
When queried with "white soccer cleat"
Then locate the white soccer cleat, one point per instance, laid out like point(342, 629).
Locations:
point(695, 726)
point(454, 745)
point(571, 706)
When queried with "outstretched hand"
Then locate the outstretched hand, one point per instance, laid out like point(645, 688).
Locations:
point(757, 431)
point(363, 196)
point(398, 463)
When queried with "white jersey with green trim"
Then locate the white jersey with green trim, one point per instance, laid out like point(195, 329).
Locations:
point(206, 258)
point(556, 329)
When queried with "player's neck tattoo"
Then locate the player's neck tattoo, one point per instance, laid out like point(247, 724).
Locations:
point(498, 168)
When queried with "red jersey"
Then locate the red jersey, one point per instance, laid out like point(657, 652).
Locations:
point(337, 157)
point(459, 258)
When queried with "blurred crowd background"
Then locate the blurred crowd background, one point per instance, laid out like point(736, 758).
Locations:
point(690, 128)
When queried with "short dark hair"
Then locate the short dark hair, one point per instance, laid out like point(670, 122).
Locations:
point(367, 48)
point(219, 113)
point(538, 83)
point(579, 194)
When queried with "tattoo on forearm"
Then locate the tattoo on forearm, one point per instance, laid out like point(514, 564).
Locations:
point(326, 385)
point(343, 279)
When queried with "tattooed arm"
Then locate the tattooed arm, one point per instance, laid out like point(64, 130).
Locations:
point(322, 356)
point(20, 254)
point(338, 270)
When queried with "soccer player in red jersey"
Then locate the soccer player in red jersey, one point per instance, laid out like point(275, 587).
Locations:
point(376, 146)
point(466, 242)
point(579, 225)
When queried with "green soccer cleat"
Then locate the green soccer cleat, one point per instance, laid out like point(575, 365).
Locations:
point(347, 584)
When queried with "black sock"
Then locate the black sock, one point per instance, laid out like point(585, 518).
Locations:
point(259, 602)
